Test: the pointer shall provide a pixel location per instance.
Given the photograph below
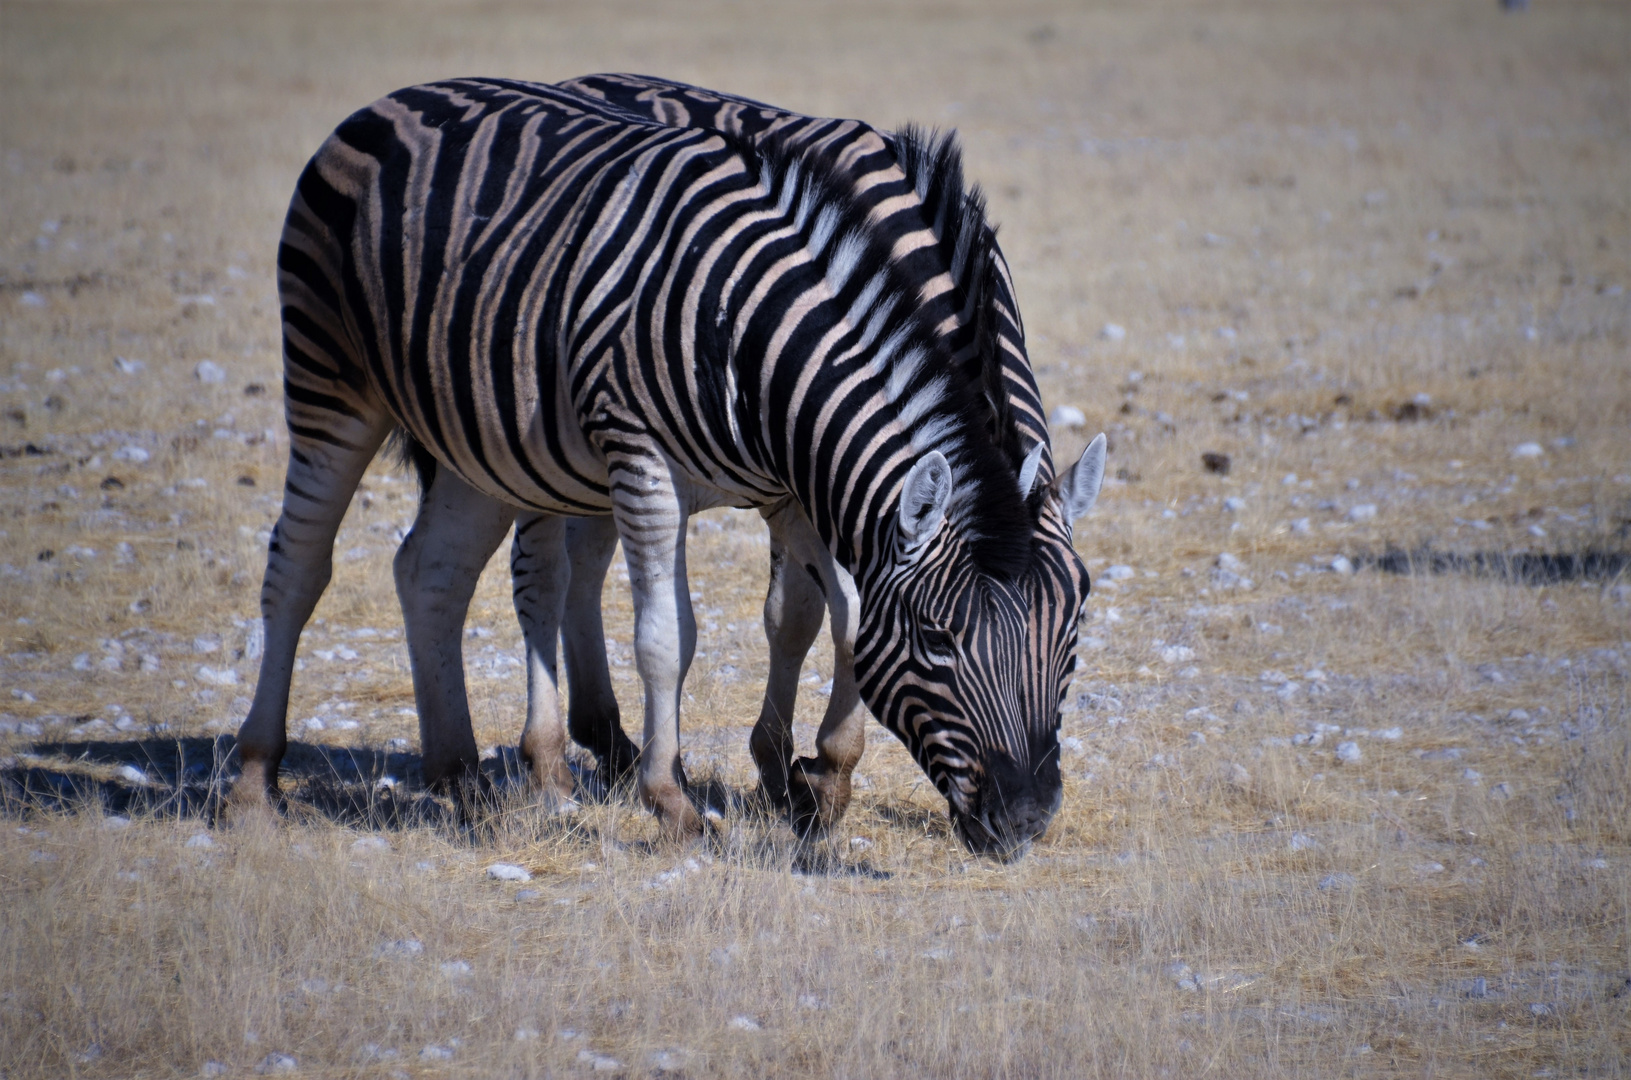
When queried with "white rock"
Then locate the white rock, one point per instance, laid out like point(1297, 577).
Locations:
point(132, 775)
point(210, 372)
point(1177, 654)
point(116, 821)
point(599, 1062)
point(526, 1034)
point(859, 843)
point(1111, 332)
point(1226, 561)
point(277, 1063)
point(1118, 572)
point(400, 949)
point(218, 676)
point(200, 840)
point(1362, 512)
point(1341, 565)
point(31, 299)
point(436, 1053)
point(1302, 842)
point(1067, 416)
point(1348, 753)
point(127, 366)
point(1527, 450)
point(455, 969)
point(503, 871)
point(1302, 526)
point(132, 453)
point(1392, 734)
point(1234, 504)
point(744, 1023)
point(369, 845)
point(213, 1068)
point(1332, 882)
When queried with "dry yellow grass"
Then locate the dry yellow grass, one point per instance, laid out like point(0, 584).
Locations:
point(1303, 216)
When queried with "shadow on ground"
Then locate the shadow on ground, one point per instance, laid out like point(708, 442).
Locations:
point(187, 777)
point(1521, 568)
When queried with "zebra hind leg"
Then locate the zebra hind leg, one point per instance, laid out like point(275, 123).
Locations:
point(436, 570)
point(539, 571)
point(323, 473)
point(592, 714)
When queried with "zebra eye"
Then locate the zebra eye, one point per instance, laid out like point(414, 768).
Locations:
point(939, 644)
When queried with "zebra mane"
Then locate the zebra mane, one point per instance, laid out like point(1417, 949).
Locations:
point(948, 407)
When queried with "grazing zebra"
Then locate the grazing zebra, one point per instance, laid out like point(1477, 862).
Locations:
point(578, 313)
point(814, 789)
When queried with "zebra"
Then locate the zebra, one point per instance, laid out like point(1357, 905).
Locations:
point(814, 790)
point(578, 314)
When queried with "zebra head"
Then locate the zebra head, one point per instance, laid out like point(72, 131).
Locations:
point(968, 667)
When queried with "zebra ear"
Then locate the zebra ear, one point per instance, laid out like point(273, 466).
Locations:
point(923, 499)
point(1027, 471)
point(1077, 488)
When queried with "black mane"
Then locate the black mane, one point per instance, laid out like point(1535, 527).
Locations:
point(987, 507)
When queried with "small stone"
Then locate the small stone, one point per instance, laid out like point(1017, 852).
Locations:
point(132, 453)
point(1119, 572)
point(1392, 734)
point(1341, 565)
point(277, 1063)
point(434, 1052)
point(1067, 416)
point(455, 969)
point(1333, 882)
point(1540, 1008)
point(401, 949)
point(116, 821)
point(1111, 332)
point(859, 843)
point(599, 1062)
point(369, 845)
point(1501, 792)
point(1528, 450)
point(744, 1023)
point(508, 872)
point(200, 840)
point(1597, 864)
point(1177, 654)
point(1302, 526)
point(1429, 868)
point(1348, 753)
point(1235, 773)
point(1362, 512)
point(1471, 775)
point(1302, 842)
point(1234, 504)
point(213, 1068)
point(210, 373)
point(33, 299)
point(133, 775)
point(522, 896)
point(526, 1034)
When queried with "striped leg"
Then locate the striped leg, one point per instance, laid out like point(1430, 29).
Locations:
point(817, 788)
point(592, 714)
point(539, 570)
point(437, 568)
point(651, 523)
point(324, 469)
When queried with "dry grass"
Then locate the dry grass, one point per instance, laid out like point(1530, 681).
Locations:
point(1336, 208)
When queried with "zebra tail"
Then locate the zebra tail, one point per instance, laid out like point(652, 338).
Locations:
point(408, 452)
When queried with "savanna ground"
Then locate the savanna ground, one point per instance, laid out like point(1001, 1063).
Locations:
point(1316, 822)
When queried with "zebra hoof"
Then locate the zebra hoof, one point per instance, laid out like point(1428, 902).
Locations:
point(255, 794)
point(819, 794)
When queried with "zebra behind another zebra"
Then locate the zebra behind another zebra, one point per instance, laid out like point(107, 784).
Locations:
point(577, 314)
point(814, 791)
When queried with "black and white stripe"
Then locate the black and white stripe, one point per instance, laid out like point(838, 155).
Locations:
point(576, 313)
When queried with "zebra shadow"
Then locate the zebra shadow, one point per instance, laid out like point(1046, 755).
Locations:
point(188, 777)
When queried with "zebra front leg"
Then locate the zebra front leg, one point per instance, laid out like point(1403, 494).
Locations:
point(794, 608)
point(539, 570)
point(651, 523)
point(592, 714)
point(323, 474)
point(437, 568)
point(819, 787)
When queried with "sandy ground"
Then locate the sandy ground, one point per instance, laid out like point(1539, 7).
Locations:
point(1323, 817)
